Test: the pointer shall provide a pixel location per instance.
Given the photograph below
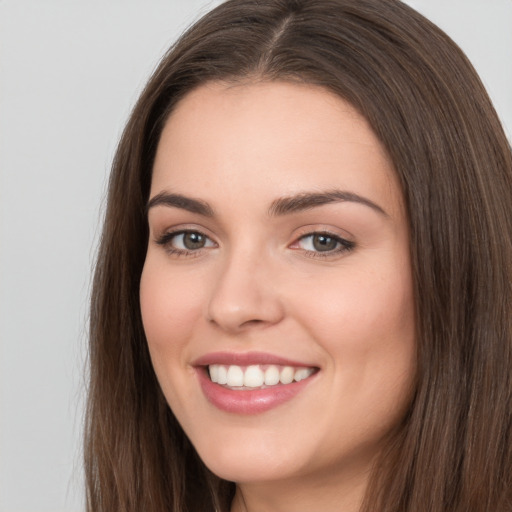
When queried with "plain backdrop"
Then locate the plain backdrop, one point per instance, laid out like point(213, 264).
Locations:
point(70, 70)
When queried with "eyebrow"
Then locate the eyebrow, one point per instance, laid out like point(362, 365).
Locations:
point(307, 200)
point(182, 202)
point(282, 206)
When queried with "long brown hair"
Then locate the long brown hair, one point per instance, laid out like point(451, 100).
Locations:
point(453, 451)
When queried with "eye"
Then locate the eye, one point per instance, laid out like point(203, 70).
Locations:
point(184, 242)
point(322, 243)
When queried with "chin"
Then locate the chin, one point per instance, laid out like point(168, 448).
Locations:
point(243, 469)
point(250, 458)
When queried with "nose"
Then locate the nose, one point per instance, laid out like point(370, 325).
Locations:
point(244, 295)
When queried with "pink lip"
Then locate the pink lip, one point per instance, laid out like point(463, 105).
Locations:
point(245, 359)
point(251, 401)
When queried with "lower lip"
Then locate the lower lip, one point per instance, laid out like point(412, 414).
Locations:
point(251, 401)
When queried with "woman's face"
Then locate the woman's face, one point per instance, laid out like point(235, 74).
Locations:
point(278, 265)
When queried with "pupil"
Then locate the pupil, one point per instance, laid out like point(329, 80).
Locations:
point(324, 243)
point(193, 240)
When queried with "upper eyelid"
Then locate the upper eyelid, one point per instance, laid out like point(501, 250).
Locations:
point(316, 229)
point(328, 234)
point(171, 233)
point(182, 228)
point(305, 233)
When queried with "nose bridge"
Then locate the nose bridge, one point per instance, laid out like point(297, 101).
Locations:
point(244, 294)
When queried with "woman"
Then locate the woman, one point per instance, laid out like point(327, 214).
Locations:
point(303, 292)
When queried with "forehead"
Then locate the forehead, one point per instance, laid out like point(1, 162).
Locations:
point(271, 139)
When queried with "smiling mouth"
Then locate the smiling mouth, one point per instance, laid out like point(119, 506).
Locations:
point(257, 376)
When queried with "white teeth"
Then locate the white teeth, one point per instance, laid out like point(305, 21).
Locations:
point(254, 376)
point(214, 372)
point(271, 376)
point(286, 376)
point(302, 373)
point(223, 374)
point(235, 376)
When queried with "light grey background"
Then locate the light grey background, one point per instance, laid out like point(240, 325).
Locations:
point(69, 72)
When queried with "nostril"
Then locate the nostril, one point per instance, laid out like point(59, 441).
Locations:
point(243, 324)
point(253, 322)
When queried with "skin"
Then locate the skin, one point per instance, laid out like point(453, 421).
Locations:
point(259, 284)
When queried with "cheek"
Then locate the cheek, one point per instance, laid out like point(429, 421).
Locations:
point(170, 307)
point(361, 306)
point(365, 323)
point(368, 330)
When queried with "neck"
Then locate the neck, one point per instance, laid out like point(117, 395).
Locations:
point(327, 493)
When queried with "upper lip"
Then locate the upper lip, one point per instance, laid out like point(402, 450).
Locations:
point(246, 359)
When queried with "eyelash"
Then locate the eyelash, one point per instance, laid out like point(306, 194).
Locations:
point(342, 244)
point(166, 241)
